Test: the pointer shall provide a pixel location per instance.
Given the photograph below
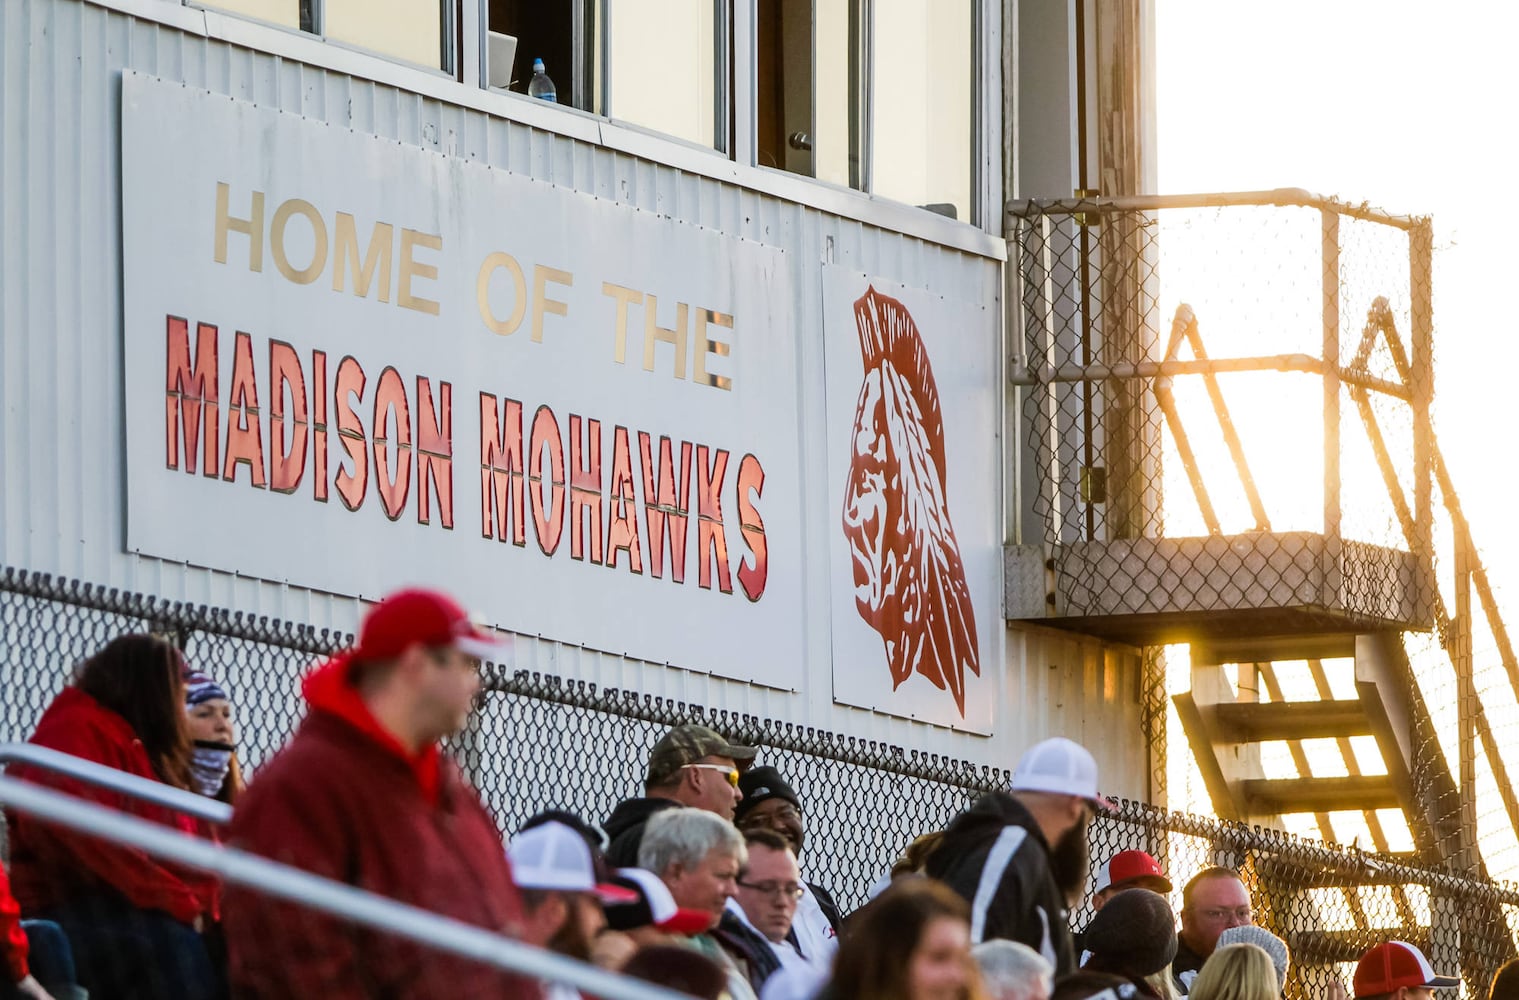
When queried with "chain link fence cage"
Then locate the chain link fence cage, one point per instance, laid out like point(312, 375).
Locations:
point(537, 742)
point(1227, 457)
point(1224, 410)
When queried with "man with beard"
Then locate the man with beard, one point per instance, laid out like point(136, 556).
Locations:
point(556, 871)
point(1020, 856)
point(769, 803)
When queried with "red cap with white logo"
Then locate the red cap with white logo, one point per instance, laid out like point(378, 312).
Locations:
point(1394, 965)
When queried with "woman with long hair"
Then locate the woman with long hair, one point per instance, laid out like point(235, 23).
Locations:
point(912, 942)
point(1236, 972)
point(214, 770)
point(134, 923)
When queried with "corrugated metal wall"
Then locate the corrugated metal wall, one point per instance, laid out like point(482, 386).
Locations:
point(61, 455)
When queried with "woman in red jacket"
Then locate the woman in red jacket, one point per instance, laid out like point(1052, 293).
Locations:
point(134, 922)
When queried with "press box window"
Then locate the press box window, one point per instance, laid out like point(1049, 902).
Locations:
point(561, 34)
point(414, 31)
point(874, 94)
point(411, 30)
point(921, 104)
point(663, 59)
point(807, 88)
point(286, 12)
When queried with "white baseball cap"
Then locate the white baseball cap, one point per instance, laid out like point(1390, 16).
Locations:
point(652, 906)
point(553, 856)
point(1061, 766)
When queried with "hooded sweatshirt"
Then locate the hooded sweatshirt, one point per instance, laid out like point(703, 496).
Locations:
point(13, 943)
point(51, 866)
point(625, 828)
point(995, 856)
point(346, 801)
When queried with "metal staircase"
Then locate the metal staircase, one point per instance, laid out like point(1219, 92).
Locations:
point(1331, 604)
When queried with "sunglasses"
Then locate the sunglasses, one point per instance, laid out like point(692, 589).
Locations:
point(731, 773)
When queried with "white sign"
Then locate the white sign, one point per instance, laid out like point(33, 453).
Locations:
point(913, 431)
point(353, 364)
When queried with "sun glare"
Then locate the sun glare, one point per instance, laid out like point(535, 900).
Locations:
point(1390, 103)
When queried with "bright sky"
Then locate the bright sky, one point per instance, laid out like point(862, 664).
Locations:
point(1404, 104)
point(1407, 105)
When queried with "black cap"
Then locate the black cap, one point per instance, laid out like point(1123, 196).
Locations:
point(1134, 934)
point(759, 784)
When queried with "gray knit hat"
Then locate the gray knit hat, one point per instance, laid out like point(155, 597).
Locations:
point(1265, 941)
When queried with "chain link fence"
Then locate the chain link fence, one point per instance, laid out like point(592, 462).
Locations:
point(537, 742)
point(1225, 410)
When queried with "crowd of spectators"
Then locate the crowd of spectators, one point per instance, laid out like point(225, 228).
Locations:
point(699, 883)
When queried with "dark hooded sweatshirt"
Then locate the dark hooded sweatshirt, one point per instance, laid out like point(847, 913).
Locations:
point(994, 855)
point(346, 801)
point(624, 828)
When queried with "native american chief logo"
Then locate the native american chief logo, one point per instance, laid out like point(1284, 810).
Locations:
point(909, 580)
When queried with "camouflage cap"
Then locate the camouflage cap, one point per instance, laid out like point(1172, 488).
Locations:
point(688, 744)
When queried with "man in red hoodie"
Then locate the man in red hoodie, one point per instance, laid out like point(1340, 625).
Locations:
point(362, 794)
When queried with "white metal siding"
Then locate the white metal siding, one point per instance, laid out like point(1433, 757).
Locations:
point(61, 456)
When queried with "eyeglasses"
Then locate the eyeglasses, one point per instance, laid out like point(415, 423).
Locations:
point(777, 890)
point(729, 772)
point(1219, 914)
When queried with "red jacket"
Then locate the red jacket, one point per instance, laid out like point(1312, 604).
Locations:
point(14, 943)
point(345, 801)
point(50, 865)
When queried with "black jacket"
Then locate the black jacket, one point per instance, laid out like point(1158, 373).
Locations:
point(829, 906)
point(625, 828)
point(748, 948)
point(1185, 966)
point(994, 855)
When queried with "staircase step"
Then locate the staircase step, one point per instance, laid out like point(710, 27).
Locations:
point(1270, 649)
point(1358, 793)
point(1253, 722)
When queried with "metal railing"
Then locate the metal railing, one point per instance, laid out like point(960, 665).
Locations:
point(43, 759)
point(248, 871)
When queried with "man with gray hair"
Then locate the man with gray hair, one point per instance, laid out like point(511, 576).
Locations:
point(1013, 971)
point(698, 855)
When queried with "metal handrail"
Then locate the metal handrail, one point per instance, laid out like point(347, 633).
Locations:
point(1278, 197)
point(137, 787)
point(235, 867)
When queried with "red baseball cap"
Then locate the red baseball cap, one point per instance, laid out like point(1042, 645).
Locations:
point(1127, 866)
point(427, 617)
point(1393, 965)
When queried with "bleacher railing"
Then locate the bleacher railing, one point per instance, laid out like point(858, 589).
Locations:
point(438, 934)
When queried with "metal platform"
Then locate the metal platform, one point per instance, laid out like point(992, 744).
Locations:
point(1258, 584)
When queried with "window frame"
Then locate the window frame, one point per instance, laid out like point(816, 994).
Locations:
point(984, 65)
point(451, 18)
point(725, 100)
point(735, 83)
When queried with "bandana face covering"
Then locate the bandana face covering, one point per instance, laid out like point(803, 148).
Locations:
point(209, 763)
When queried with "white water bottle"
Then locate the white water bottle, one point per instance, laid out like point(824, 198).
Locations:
point(541, 86)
